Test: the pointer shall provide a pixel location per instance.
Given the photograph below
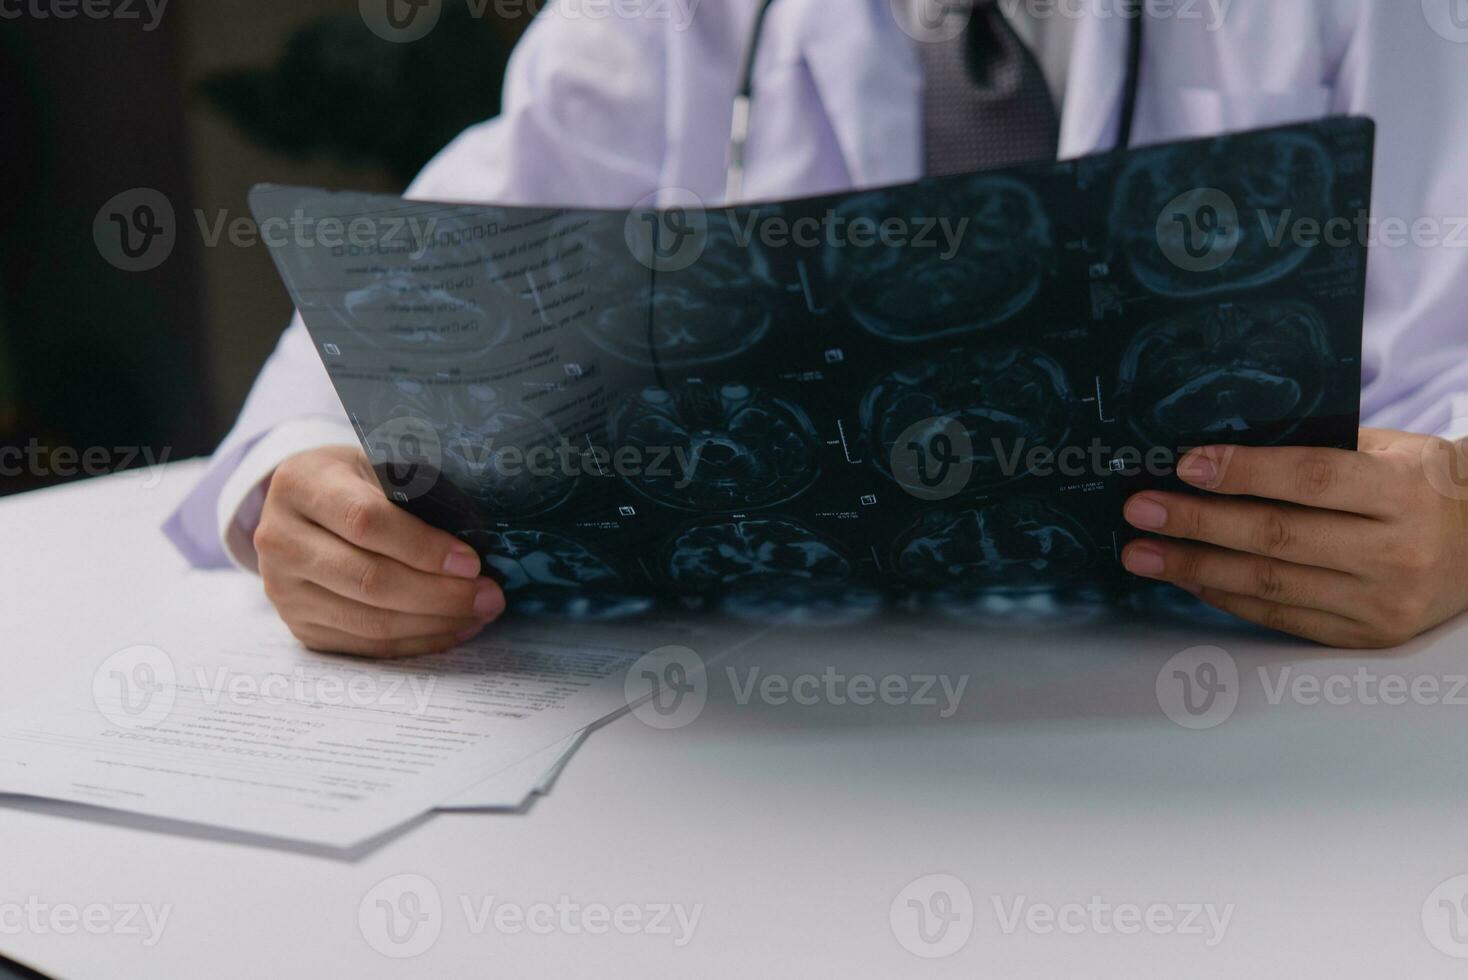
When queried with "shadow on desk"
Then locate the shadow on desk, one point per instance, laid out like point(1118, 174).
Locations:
point(1098, 665)
point(59, 809)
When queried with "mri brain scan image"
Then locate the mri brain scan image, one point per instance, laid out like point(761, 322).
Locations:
point(485, 444)
point(943, 283)
point(1196, 219)
point(1007, 400)
point(408, 315)
point(1225, 370)
point(1017, 545)
point(550, 575)
point(541, 559)
point(722, 448)
point(717, 308)
point(733, 259)
point(673, 326)
point(724, 556)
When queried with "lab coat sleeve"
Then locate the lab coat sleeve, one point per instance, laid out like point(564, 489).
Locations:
point(582, 124)
point(1411, 76)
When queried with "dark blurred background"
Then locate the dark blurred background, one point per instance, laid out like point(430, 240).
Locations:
point(103, 367)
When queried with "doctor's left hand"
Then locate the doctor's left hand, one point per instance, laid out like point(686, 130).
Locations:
point(1351, 549)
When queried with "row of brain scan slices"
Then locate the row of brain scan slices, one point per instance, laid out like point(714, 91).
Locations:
point(714, 448)
point(730, 299)
point(1015, 547)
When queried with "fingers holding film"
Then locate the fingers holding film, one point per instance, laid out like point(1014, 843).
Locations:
point(1207, 567)
point(1288, 533)
point(357, 513)
point(1332, 479)
point(376, 580)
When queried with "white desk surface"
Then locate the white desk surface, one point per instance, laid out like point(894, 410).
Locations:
point(795, 827)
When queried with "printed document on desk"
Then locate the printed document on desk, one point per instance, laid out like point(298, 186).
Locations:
point(210, 712)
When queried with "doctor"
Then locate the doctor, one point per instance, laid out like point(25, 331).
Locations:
point(612, 103)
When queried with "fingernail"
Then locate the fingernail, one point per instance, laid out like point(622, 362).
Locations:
point(468, 634)
point(1197, 469)
point(462, 564)
point(1143, 560)
point(1146, 513)
point(1195, 590)
point(490, 601)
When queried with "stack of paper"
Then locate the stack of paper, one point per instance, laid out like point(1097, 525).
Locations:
point(212, 713)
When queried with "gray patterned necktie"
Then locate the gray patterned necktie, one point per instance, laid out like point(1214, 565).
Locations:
point(985, 101)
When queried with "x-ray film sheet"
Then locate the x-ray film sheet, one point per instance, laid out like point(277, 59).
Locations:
point(805, 411)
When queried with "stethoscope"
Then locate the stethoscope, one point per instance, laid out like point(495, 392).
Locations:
point(744, 98)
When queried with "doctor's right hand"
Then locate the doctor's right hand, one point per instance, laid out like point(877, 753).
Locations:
point(350, 572)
